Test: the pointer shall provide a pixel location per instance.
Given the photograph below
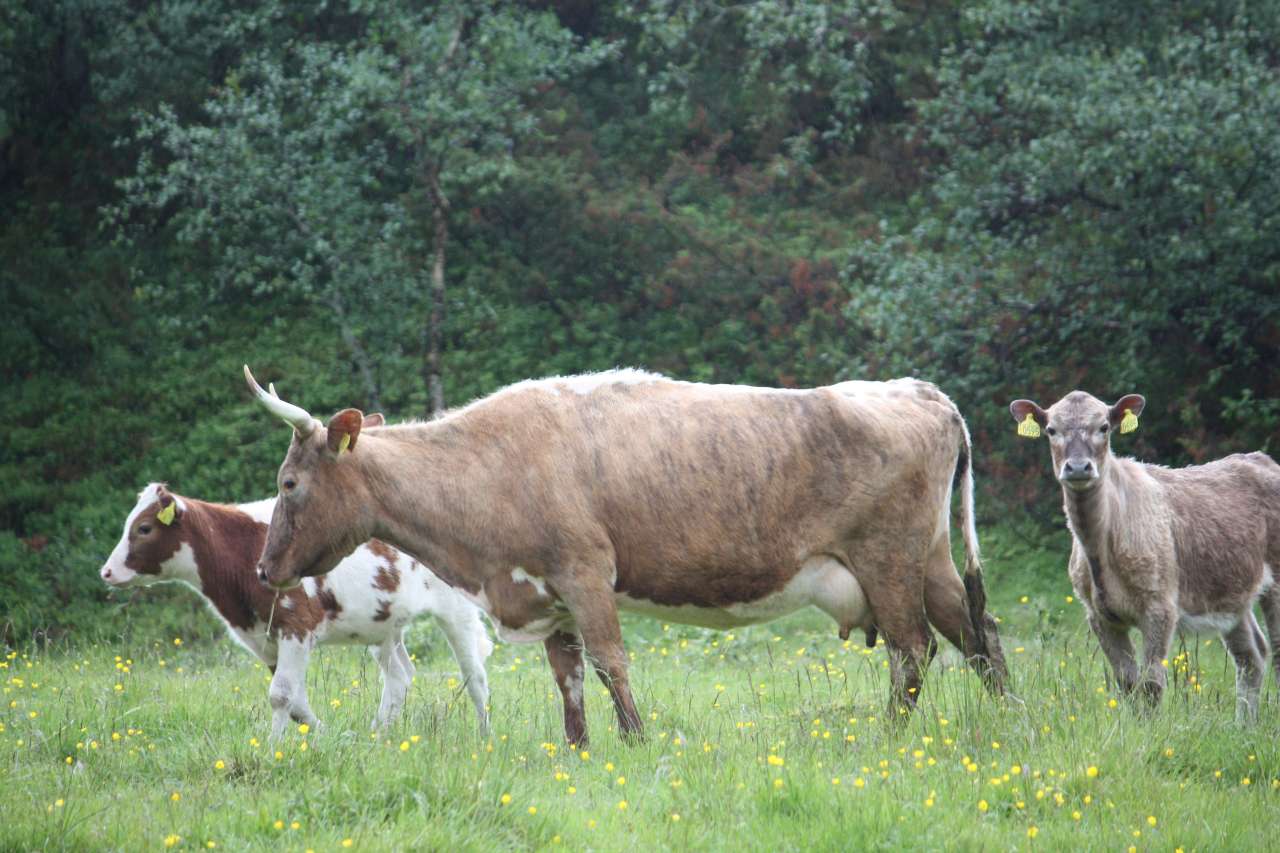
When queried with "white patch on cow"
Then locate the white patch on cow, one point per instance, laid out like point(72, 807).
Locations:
point(574, 684)
point(259, 510)
point(286, 602)
point(519, 575)
point(1268, 578)
point(822, 582)
point(1207, 623)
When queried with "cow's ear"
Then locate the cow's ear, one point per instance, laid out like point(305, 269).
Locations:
point(374, 420)
point(1030, 417)
point(1124, 414)
point(170, 511)
point(344, 429)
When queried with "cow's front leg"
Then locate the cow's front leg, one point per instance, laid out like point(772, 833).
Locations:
point(564, 653)
point(589, 598)
point(1158, 625)
point(1114, 639)
point(288, 691)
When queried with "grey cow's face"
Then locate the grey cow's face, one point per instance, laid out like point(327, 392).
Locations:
point(1079, 428)
point(1079, 432)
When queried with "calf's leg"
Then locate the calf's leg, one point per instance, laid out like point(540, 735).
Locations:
point(564, 654)
point(465, 634)
point(1115, 643)
point(395, 682)
point(1241, 642)
point(1158, 625)
point(288, 691)
point(1270, 602)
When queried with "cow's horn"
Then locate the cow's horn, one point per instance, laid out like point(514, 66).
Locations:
point(295, 416)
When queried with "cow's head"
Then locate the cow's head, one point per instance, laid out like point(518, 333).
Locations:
point(151, 547)
point(324, 509)
point(1079, 428)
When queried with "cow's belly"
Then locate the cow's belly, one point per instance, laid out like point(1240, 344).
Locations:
point(821, 582)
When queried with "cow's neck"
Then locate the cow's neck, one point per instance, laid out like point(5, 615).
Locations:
point(1088, 515)
point(1091, 517)
point(433, 498)
point(225, 545)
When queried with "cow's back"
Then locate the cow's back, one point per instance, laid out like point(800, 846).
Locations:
point(1226, 522)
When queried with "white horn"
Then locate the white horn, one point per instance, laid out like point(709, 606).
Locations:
point(295, 416)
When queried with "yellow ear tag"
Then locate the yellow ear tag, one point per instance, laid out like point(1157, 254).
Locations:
point(1028, 428)
point(165, 515)
point(345, 443)
point(1129, 422)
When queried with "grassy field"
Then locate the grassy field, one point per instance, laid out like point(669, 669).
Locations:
point(768, 738)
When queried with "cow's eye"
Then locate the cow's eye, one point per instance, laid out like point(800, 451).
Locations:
point(1050, 431)
point(289, 484)
point(144, 529)
point(1103, 429)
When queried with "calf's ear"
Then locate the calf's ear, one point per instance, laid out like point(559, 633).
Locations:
point(1030, 417)
point(343, 430)
point(376, 419)
point(1124, 414)
point(169, 511)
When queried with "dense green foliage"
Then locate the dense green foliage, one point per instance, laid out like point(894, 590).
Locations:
point(1011, 199)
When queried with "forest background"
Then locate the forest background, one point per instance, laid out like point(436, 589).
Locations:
point(405, 208)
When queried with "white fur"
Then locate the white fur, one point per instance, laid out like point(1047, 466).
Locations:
point(1206, 623)
point(518, 575)
point(352, 584)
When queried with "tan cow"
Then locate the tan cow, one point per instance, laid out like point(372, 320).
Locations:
point(555, 502)
point(1157, 548)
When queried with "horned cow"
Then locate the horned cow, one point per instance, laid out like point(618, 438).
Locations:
point(1156, 548)
point(553, 503)
point(369, 598)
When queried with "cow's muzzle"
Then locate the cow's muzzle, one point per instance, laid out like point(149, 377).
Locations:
point(1077, 473)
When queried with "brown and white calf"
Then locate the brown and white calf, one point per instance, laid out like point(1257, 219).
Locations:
point(1157, 548)
point(369, 598)
point(553, 503)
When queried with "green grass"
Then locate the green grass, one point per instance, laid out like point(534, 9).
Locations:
point(717, 707)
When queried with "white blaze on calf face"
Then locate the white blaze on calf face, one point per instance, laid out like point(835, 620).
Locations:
point(139, 527)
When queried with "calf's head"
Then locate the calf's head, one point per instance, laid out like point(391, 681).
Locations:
point(1079, 428)
point(324, 508)
point(151, 546)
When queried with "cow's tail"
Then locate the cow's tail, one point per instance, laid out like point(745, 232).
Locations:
point(974, 589)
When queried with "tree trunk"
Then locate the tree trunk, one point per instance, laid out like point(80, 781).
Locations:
point(435, 324)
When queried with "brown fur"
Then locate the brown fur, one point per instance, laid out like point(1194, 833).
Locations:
point(1153, 545)
point(226, 544)
point(675, 493)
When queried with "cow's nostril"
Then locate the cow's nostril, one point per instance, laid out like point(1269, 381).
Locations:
point(262, 575)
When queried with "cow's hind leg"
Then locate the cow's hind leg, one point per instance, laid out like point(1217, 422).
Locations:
point(564, 653)
point(947, 607)
point(1270, 602)
point(589, 598)
point(395, 682)
point(898, 611)
point(1241, 641)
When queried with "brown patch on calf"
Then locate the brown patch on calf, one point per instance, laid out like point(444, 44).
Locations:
point(384, 611)
point(387, 577)
point(327, 600)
